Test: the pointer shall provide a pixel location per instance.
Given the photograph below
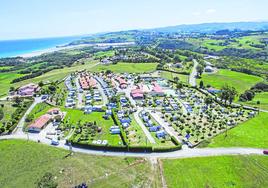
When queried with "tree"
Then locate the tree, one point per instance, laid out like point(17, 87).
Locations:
point(201, 84)
point(199, 70)
point(259, 104)
point(228, 93)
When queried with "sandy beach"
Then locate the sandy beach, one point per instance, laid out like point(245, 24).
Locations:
point(54, 49)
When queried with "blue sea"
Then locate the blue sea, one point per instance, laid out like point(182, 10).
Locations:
point(12, 48)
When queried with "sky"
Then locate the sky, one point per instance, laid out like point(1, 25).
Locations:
point(50, 18)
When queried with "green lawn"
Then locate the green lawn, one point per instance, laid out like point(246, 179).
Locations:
point(127, 67)
point(73, 116)
point(238, 80)
point(252, 133)
point(217, 172)
point(23, 163)
point(103, 54)
point(262, 97)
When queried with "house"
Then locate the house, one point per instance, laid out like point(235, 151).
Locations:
point(137, 94)
point(40, 123)
point(28, 90)
point(209, 69)
point(157, 90)
point(122, 83)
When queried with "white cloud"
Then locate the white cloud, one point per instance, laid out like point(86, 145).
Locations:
point(210, 11)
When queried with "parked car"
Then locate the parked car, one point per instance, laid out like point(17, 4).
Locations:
point(54, 142)
point(265, 152)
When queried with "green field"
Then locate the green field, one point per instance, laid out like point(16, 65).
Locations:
point(252, 133)
point(73, 116)
point(217, 172)
point(170, 76)
point(127, 67)
point(23, 163)
point(238, 80)
point(5, 79)
point(262, 97)
point(8, 109)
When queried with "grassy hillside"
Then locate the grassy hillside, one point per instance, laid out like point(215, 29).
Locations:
point(238, 80)
point(217, 172)
point(23, 163)
point(5, 79)
point(252, 133)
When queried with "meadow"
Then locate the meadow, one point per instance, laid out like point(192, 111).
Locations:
point(240, 81)
point(217, 172)
point(5, 79)
point(29, 161)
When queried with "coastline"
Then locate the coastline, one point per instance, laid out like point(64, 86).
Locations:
point(66, 47)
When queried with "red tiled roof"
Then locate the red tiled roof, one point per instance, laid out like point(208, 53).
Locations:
point(40, 122)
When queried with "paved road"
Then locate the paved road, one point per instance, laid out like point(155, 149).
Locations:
point(79, 95)
point(143, 127)
point(185, 153)
point(168, 129)
point(192, 78)
point(19, 129)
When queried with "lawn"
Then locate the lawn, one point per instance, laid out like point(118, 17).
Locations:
point(262, 97)
point(122, 67)
point(252, 133)
point(40, 109)
point(238, 80)
point(74, 116)
point(23, 163)
point(217, 172)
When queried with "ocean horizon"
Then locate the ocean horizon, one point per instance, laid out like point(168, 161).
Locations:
point(13, 48)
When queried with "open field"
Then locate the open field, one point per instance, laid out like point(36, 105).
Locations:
point(217, 172)
point(238, 80)
point(29, 161)
point(122, 67)
point(252, 133)
point(262, 97)
point(5, 79)
point(170, 76)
